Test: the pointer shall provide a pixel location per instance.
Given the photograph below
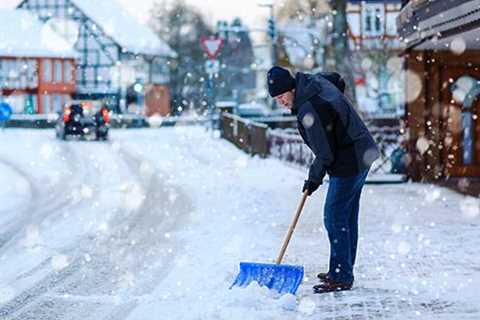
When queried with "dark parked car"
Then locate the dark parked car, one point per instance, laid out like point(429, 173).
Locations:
point(80, 120)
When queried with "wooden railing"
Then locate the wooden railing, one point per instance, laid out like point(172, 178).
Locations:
point(248, 135)
point(287, 145)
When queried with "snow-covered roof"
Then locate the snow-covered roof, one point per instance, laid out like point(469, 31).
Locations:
point(23, 35)
point(129, 33)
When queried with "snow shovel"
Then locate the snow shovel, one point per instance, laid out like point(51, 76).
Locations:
point(280, 277)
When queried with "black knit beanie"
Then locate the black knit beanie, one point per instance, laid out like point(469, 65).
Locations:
point(279, 81)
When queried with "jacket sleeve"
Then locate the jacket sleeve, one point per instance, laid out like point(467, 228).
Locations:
point(320, 140)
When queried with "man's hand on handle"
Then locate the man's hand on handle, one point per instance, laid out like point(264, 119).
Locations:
point(310, 186)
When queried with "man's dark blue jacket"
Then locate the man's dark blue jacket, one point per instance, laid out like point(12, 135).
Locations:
point(331, 127)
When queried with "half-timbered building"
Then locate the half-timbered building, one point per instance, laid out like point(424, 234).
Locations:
point(374, 41)
point(117, 54)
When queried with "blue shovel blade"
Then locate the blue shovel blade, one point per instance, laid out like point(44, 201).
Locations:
point(280, 277)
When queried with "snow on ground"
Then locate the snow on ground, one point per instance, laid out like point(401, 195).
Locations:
point(153, 225)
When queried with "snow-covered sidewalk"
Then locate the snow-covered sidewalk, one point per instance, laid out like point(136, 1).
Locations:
point(184, 209)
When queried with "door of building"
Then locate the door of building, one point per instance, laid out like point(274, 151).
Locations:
point(461, 121)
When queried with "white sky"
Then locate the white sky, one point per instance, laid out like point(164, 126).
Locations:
point(247, 10)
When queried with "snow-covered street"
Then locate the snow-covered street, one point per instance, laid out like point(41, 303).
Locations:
point(153, 225)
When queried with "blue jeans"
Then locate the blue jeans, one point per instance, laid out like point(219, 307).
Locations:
point(341, 221)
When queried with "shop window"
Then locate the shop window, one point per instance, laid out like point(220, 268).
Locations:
point(465, 92)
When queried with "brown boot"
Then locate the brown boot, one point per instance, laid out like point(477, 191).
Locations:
point(331, 286)
point(323, 276)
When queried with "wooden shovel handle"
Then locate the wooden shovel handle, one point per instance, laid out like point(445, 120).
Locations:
point(292, 227)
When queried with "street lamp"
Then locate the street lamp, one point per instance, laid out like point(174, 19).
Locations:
point(271, 28)
point(272, 33)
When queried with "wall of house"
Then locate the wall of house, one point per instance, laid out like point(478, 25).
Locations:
point(36, 85)
point(157, 100)
point(56, 84)
point(434, 120)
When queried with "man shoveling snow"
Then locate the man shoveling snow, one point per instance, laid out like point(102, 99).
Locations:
point(343, 148)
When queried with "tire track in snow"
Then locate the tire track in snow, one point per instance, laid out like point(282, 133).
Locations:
point(33, 190)
point(94, 278)
point(47, 203)
point(43, 202)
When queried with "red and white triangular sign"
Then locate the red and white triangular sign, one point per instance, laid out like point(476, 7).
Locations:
point(212, 46)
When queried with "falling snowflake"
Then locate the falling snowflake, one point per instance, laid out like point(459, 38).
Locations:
point(59, 262)
point(403, 248)
point(308, 120)
point(458, 46)
point(413, 85)
point(422, 145)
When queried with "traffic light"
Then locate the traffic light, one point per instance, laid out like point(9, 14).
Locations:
point(222, 29)
point(272, 32)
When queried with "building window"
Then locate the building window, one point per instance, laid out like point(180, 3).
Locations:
point(30, 105)
point(368, 21)
point(373, 16)
point(467, 122)
point(66, 99)
point(47, 106)
point(57, 103)
point(67, 70)
point(378, 20)
point(47, 70)
point(58, 71)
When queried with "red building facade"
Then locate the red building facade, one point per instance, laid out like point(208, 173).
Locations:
point(36, 84)
point(37, 71)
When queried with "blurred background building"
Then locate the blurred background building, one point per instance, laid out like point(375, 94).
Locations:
point(36, 76)
point(119, 60)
